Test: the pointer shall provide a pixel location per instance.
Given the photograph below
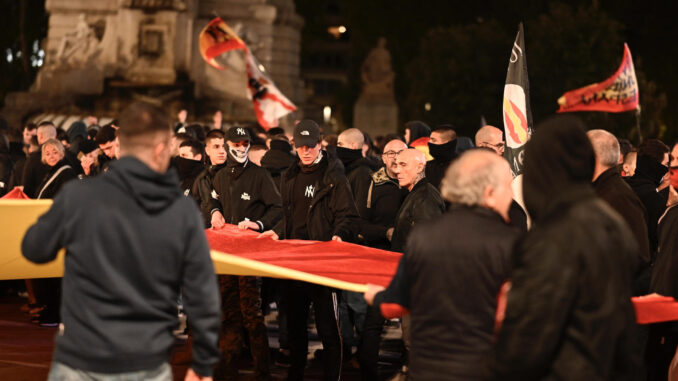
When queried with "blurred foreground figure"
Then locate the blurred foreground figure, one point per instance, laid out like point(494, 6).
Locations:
point(452, 270)
point(133, 241)
point(569, 314)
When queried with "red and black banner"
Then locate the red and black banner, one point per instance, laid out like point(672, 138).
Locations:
point(516, 105)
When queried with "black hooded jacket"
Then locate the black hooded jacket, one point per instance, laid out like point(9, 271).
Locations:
point(569, 314)
point(203, 192)
point(278, 159)
point(644, 182)
point(418, 130)
point(133, 242)
point(332, 210)
point(443, 155)
point(188, 171)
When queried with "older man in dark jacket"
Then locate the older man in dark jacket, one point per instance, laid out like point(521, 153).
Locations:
point(569, 314)
point(452, 270)
point(317, 205)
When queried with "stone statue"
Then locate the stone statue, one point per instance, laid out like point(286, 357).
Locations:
point(77, 47)
point(376, 72)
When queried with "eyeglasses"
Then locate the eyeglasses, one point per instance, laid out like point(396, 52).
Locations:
point(499, 146)
point(391, 154)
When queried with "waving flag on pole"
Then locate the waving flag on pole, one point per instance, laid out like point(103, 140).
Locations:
point(618, 93)
point(516, 105)
point(269, 103)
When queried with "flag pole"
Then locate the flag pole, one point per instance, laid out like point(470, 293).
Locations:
point(640, 136)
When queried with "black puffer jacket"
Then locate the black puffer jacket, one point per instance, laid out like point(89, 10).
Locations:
point(569, 314)
point(644, 182)
point(332, 211)
point(423, 203)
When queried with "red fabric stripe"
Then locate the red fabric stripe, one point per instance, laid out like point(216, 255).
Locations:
point(392, 310)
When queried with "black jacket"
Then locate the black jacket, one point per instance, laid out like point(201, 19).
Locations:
point(34, 172)
point(188, 171)
point(453, 268)
point(57, 176)
point(202, 192)
point(644, 182)
point(384, 197)
point(278, 159)
point(133, 242)
point(359, 176)
point(443, 156)
point(421, 204)
point(247, 192)
point(664, 278)
point(610, 187)
point(569, 314)
point(332, 211)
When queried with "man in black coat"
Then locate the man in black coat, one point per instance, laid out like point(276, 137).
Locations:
point(34, 169)
point(317, 205)
point(421, 204)
point(651, 166)
point(203, 191)
point(569, 314)
point(442, 146)
point(278, 158)
point(246, 196)
point(358, 168)
point(133, 243)
point(609, 185)
point(452, 270)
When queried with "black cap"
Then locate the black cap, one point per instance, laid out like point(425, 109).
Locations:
point(238, 134)
point(306, 133)
point(87, 146)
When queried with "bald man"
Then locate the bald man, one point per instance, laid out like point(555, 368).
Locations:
point(453, 267)
point(490, 137)
point(423, 201)
point(610, 187)
point(358, 169)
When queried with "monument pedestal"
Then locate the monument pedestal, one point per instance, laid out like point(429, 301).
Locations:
point(376, 116)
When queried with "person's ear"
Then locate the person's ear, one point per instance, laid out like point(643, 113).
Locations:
point(488, 197)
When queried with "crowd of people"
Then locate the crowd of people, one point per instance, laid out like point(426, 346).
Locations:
point(479, 295)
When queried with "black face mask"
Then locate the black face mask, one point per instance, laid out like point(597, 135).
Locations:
point(445, 151)
point(347, 155)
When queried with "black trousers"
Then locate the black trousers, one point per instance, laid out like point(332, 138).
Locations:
point(368, 351)
point(298, 297)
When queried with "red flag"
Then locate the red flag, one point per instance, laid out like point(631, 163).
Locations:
point(618, 93)
point(16, 194)
point(269, 103)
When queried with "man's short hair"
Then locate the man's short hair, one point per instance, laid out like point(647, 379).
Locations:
point(46, 123)
point(47, 130)
point(62, 135)
point(606, 147)
point(182, 137)
point(214, 134)
point(140, 120)
point(30, 126)
point(106, 134)
point(197, 148)
point(653, 148)
point(467, 177)
point(275, 131)
point(446, 130)
point(625, 146)
point(258, 147)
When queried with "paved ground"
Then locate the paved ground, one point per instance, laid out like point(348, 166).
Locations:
point(26, 349)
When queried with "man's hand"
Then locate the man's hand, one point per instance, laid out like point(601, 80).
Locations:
point(389, 234)
point(247, 224)
point(673, 197)
point(337, 238)
point(218, 220)
point(372, 290)
point(269, 233)
point(192, 376)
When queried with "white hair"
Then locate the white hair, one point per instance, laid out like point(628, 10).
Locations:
point(606, 147)
point(467, 177)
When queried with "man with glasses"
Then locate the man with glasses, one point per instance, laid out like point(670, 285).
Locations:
point(490, 137)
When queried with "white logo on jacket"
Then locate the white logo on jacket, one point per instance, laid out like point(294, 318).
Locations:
point(215, 195)
point(310, 191)
point(245, 196)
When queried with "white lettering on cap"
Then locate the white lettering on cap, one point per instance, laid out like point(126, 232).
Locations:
point(304, 133)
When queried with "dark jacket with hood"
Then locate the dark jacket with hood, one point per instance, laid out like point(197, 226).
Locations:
point(359, 171)
point(203, 192)
point(418, 130)
point(188, 171)
point(278, 159)
point(610, 187)
point(247, 191)
point(77, 133)
point(332, 210)
point(644, 182)
point(133, 242)
point(443, 155)
point(569, 314)
point(449, 278)
point(384, 198)
point(57, 176)
point(34, 172)
point(423, 203)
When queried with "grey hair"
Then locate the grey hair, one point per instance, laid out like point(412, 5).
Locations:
point(56, 144)
point(467, 178)
point(606, 147)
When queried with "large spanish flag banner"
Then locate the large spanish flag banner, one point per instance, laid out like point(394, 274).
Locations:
point(237, 252)
point(618, 93)
point(516, 105)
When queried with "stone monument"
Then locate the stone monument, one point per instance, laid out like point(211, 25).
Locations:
point(101, 55)
point(376, 110)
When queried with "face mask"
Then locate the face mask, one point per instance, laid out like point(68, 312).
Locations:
point(238, 154)
point(347, 155)
point(442, 151)
point(673, 175)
